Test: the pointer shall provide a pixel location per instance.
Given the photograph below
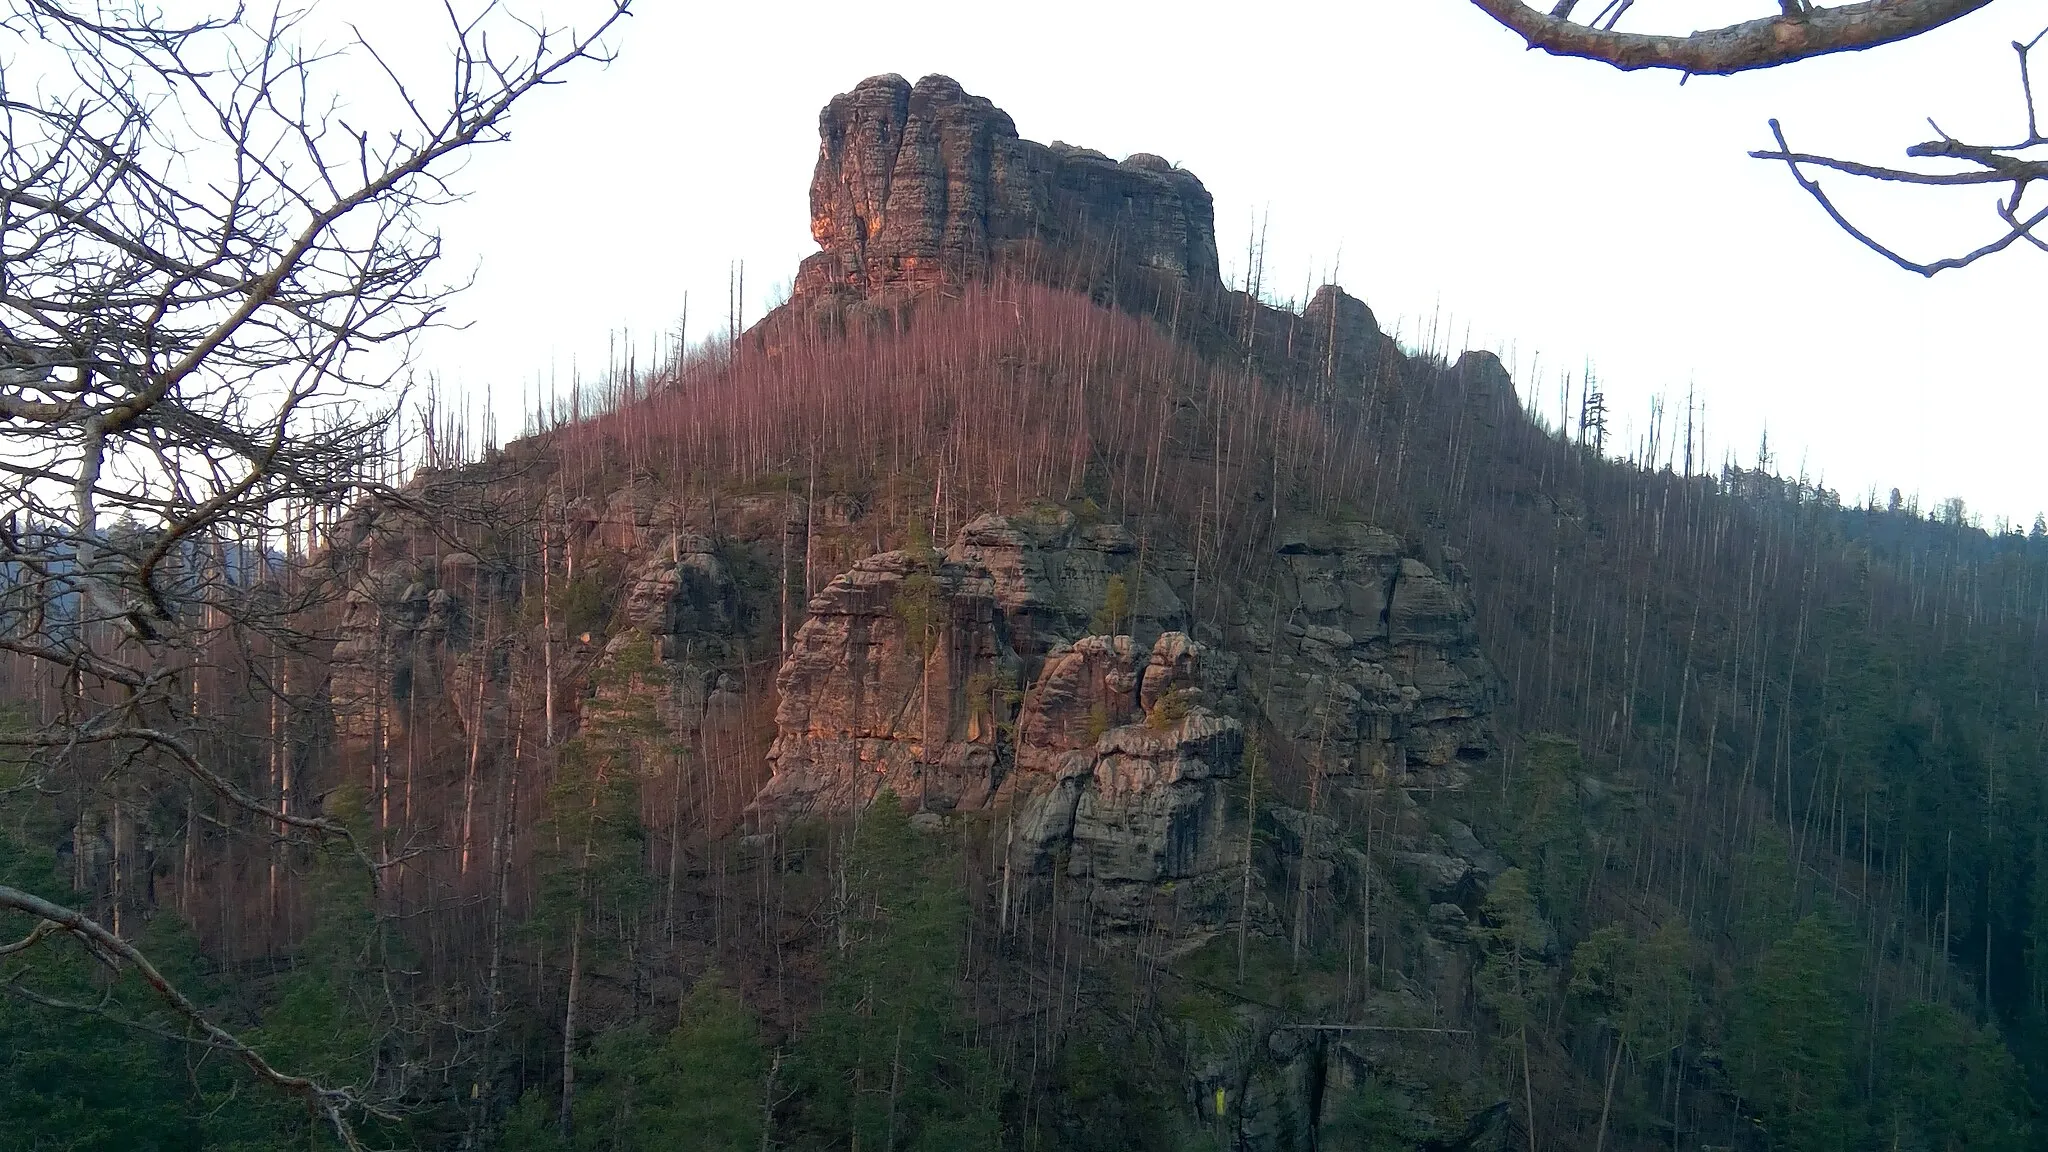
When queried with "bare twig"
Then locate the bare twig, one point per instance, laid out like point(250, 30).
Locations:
point(1988, 164)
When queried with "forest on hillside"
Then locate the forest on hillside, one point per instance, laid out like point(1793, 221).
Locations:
point(1767, 788)
point(1022, 693)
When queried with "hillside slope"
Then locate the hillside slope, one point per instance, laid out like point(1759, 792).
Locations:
point(1026, 692)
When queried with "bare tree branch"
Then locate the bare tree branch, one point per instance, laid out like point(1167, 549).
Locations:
point(1797, 32)
point(1991, 164)
point(332, 1104)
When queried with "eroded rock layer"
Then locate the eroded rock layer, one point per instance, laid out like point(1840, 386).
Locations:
point(918, 186)
point(1045, 667)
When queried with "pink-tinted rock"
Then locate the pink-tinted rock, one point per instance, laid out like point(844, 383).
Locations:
point(919, 186)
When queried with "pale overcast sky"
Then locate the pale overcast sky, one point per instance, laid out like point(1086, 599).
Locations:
point(1547, 206)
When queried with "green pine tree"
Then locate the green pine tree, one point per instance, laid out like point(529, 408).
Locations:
point(76, 1077)
point(887, 1062)
point(1546, 835)
point(1791, 1048)
point(1513, 981)
point(702, 1086)
point(589, 842)
point(330, 1014)
point(1639, 989)
point(1948, 1085)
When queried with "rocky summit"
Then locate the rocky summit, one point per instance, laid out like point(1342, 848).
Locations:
point(924, 185)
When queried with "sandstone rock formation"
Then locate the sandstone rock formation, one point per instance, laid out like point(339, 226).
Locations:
point(1377, 661)
point(982, 677)
point(875, 693)
point(909, 672)
point(926, 188)
point(1340, 339)
point(1139, 806)
point(415, 657)
point(918, 186)
point(1489, 391)
point(399, 637)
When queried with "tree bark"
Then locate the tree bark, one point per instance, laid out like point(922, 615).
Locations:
point(1251, 822)
point(569, 1028)
point(1744, 47)
point(1607, 1099)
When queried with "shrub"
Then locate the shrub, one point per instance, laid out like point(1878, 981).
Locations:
point(1171, 709)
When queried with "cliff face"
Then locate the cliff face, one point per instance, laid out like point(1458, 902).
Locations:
point(1045, 672)
point(937, 675)
point(925, 668)
point(925, 185)
point(440, 655)
point(1044, 667)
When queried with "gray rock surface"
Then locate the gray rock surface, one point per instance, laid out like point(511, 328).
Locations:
point(976, 678)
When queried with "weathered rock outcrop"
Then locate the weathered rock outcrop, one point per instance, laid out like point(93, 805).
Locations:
point(1043, 666)
point(682, 589)
point(891, 684)
point(416, 651)
point(1376, 660)
point(1489, 391)
point(910, 670)
point(1136, 809)
point(1338, 337)
point(918, 186)
point(402, 632)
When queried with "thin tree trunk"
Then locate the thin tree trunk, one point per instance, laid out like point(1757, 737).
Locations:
point(1365, 898)
point(675, 845)
point(547, 633)
point(476, 746)
point(783, 649)
point(924, 681)
point(1528, 1089)
point(1522, 1034)
point(1947, 874)
point(1308, 836)
point(1251, 821)
point(1009, 841)
point(768, 1104)
point(810, 503)
point(895, 1085)
point(1607, 1100)
point(569, 1027)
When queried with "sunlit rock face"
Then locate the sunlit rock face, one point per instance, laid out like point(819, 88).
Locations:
point(920, 186)
point(920, 673)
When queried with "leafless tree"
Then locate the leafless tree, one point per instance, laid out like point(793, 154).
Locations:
point(212, 272)
point(1801, 30)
